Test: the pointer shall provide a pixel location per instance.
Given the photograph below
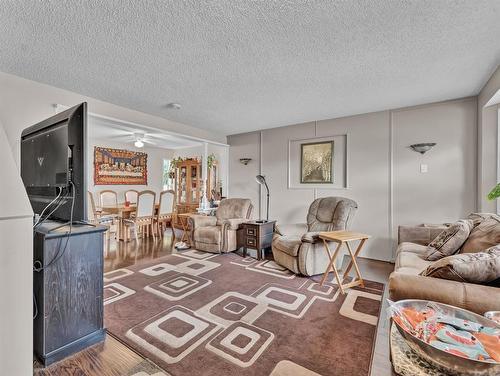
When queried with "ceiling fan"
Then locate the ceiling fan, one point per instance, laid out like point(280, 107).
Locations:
point(140, 138)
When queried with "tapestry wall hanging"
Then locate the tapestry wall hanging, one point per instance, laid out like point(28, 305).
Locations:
point(118, 166)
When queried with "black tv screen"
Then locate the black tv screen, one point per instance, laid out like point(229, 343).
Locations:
point(53, 164)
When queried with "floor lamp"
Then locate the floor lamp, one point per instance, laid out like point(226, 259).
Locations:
point(262, 181)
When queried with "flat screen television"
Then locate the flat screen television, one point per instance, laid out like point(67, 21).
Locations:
point(53, 164)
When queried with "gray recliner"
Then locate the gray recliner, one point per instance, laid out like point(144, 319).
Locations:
point(298, 247)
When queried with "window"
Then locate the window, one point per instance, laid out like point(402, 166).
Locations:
point(168, 181)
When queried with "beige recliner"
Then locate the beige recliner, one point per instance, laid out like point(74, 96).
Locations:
point(298, 248)
point(218, 234)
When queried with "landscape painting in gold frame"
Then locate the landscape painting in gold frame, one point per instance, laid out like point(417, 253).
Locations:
point(316, 163)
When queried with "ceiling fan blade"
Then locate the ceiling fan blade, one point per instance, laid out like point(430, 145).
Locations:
point(124, 138)
point(147, 141)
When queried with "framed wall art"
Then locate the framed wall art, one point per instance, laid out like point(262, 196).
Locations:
point(119, 166)
point(316, 162)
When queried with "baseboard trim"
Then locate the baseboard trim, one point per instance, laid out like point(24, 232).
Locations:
point(71, 348)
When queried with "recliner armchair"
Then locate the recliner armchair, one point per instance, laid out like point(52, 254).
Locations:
point(298, 247)
point(219, 234)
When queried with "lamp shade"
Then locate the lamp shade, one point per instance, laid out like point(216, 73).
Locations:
point(423, 148)
point(260, 179)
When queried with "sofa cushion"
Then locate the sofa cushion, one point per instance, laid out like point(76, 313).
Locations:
point(477, 218)
point(411, 260)
point(412, 247)
point(208, 234)
point(450, 240)
point(408, 270)
point(480, 267)
point(485, 235)
point(288, 244)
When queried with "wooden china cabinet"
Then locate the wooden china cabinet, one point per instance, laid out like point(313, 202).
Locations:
point(189, 184)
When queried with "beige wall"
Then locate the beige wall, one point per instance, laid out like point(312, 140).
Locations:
point(383, 174)
point(242, 178)
point(487, 142)
point(448, 190)
point(24, 103)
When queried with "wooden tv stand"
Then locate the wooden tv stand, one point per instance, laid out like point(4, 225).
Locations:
point(69, 293)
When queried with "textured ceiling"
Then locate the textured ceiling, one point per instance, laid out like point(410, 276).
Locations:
point(237, 66)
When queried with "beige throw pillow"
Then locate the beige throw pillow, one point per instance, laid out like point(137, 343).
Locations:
point(484, 235)
point(477, 218)
point(481, 267)
point(449, 241)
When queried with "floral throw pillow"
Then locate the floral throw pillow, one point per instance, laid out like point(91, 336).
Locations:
point(450, 240)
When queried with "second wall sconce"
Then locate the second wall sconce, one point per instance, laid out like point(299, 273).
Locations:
point(423, 147)
point(245, 160)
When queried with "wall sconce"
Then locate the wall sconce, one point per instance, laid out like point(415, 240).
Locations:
point(423, 148)
point(245, 160)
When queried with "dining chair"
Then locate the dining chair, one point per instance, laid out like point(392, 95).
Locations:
point(96, 216)
point(144, 216)
point(131, 196)
point(166, 210)
point(108, 198)
point(92, 212)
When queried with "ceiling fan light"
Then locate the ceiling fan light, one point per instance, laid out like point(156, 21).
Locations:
point(139, 144)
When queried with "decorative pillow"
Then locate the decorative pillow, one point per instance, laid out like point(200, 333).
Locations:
point(477, 218)
point(481, 267)
point(449, 241)
point(484, 235)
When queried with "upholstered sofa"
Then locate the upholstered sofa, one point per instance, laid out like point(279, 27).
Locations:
point(298, 248)
point(407, 283)
point(217, 233)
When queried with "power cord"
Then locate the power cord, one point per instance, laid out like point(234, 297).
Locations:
point(50, 203)
point(37, 265)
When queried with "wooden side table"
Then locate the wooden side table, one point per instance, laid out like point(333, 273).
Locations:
point(255, 235)
point(341, 238)
point(184, 221)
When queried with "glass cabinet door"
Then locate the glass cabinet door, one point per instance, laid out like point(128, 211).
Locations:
point(182, 185)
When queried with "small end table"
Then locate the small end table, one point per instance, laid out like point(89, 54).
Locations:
point(341, 238)
point(184, 221)
point(256, 235)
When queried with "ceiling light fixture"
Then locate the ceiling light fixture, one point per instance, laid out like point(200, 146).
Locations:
point(139, 144)
point(174, 106)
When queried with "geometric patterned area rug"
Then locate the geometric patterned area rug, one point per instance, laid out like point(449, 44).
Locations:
point(196, 313)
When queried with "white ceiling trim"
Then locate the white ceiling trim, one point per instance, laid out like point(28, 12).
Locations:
point(61, 107)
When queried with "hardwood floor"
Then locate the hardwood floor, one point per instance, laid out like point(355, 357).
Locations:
point(112, 358)
point(122, 254)
point(379, 271)
point(109, 358)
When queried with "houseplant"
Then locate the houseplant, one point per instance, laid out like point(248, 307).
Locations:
point(495, 192)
